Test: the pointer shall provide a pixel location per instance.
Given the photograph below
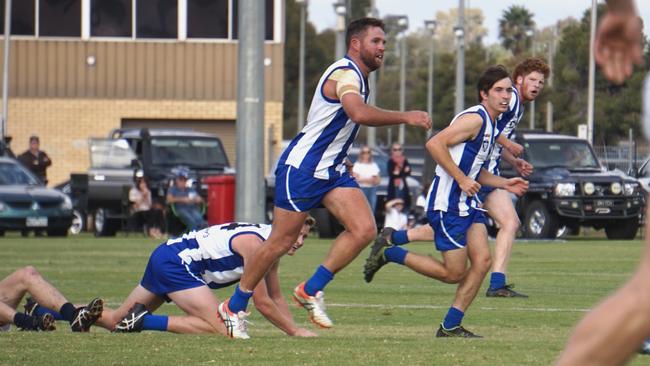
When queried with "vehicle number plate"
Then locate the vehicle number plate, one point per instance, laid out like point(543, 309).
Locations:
point(36, 222)
point(604, 203)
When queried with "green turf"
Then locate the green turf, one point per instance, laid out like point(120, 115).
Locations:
point(391, 321)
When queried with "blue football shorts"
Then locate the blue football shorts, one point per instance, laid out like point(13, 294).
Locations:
point(166, 273)
point(298, 191)
point(451, 229)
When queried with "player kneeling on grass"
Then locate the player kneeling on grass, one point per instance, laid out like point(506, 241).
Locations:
point(184, 269)
point(29, 280)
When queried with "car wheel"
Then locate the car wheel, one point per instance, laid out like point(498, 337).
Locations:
point(622, 229)
point(539, 223)
point(103, 225)
point(78, 222)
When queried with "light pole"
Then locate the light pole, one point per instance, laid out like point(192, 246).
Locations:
point(403, 24)
point(459, 32)
point(341, 10)
point(5, 78)
point(592, 72)
point(371, 132)
point(427, 173)
point(301, 66)
point(530, 34)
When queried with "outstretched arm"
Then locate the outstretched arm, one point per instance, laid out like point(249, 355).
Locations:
point(618, 40)
point(276, 311)
point(515, 185)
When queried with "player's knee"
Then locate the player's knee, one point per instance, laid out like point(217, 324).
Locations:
point(365, 232)
point(483, 263)
point(454, 277)
point(511, 224)
point(29, 274)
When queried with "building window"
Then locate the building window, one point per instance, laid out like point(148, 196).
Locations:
point(268, 21)
point(111, 18)
point(157, 19)
point(207, 18)
point(22, 17)
point(59, 18)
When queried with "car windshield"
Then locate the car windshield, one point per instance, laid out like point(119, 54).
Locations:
point(15, 174)
point(570, 154)
point(111, 154)
point(191, 152)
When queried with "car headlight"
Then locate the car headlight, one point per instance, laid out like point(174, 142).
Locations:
point(565, 189)
point(67, 203)
point(630, 188)
point(589, 188)
point(616, 188)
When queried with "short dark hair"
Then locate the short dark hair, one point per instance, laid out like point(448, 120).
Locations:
point(489, 77)
point(530, 65)
point(33, 138)
point(359, 26)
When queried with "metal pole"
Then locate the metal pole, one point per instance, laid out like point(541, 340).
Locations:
point(301, 69)
point(341, 10)
point(428, 169)
point(592, 72)
point(250, 113)
point(371, 132)
point(460, 58)
point(5, 75)
point(549, 104)
point(402, 87)
point(532, 104)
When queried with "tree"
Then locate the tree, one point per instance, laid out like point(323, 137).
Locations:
point(513, 26)
point(319, 53)
point(616, 109)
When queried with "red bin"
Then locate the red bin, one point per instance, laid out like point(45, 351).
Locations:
point(221, 198)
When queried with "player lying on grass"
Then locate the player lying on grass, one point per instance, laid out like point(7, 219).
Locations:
point(28, 280)
point(183, 270)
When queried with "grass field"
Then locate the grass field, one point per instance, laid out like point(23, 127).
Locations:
point(391, 321)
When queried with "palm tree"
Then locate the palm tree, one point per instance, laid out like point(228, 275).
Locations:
point(515, 29)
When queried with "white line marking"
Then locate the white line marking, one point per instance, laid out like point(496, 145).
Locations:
point(401, 306)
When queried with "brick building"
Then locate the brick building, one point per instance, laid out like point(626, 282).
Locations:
point(80, 68)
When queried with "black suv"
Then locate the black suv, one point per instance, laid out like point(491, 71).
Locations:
point(570, 188)
point(154, 153)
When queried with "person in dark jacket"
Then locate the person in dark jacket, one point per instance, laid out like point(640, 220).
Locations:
point(398, 169)
point(35, 159)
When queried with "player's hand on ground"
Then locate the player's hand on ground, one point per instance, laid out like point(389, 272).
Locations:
point(418, 119)
point(523, 167)
point(515, 149)
point(301, 332)
point(469, 186)
point(516, 185)
point(618, 45)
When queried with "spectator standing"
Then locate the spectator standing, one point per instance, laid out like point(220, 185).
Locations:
point(144, 211)
point(186, 201)
point(367, 174)
point(35, 159)
point(398, 169)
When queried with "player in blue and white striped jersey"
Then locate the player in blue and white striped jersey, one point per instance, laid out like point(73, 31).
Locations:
point(311, 172)
point(529, 76)
point(185, 269)
point(453, 208)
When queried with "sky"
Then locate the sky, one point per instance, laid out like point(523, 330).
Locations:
point(546, 12)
